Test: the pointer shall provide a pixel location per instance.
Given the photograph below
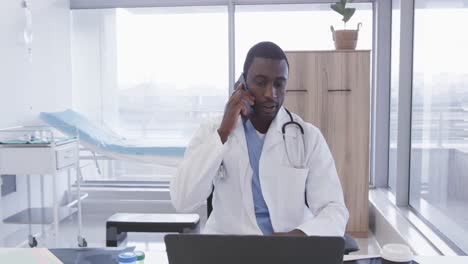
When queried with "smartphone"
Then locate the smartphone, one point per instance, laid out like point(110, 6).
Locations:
point(245, 88)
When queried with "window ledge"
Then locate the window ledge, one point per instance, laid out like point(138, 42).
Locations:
point(392, 224)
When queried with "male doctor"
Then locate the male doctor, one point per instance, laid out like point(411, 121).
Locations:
point(260, 184)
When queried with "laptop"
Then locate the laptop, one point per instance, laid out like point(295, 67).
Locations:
point(226, 249)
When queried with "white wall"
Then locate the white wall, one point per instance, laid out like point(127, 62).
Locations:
point(28, 89)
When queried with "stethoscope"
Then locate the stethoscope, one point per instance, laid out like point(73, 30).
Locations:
point(301, 164)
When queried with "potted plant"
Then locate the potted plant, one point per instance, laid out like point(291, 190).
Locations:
point(344, 38)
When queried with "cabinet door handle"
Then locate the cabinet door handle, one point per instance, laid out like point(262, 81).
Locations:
point(325, 74)
point(339, 90)
point(297, 90)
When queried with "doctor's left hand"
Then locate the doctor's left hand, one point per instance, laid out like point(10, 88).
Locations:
point(295, 232)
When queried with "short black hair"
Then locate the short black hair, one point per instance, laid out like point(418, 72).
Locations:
point(265, 49)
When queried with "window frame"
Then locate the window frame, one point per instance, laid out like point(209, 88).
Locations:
point(400, 198)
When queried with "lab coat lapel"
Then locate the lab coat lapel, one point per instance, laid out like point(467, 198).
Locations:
point(274, 135)
point(273, 138)
point(268, 165)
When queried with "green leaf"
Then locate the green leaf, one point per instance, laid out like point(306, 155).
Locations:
point(343, 2)
point(337, 8)
point(348, 13)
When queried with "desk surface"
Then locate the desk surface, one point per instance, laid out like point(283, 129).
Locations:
point(160, 257)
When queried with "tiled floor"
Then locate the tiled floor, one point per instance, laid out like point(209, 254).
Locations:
point(94, 233)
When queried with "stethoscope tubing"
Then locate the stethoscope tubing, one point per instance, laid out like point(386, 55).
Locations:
point(283, 130)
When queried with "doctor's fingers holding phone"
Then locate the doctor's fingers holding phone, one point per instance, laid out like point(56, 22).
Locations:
point(234, 107)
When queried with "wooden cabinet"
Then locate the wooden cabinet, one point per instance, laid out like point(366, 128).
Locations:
point(331, 90)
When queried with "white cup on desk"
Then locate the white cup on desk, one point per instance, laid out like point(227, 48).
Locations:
point(396, 254)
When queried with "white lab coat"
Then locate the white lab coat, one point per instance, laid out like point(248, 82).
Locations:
point(283, 186)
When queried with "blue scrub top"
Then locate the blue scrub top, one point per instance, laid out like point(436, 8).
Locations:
point(255, 146)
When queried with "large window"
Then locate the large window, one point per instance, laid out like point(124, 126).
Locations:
point(170, 70)
point(156, 73)
point(395, 73)
point(439, 144)
point(150, 73)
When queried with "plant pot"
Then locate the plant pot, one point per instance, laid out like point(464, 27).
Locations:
point(345, 39)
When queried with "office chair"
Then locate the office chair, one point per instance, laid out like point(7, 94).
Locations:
point(350, 244)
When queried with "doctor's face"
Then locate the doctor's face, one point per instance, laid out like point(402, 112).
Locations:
point(266, 80)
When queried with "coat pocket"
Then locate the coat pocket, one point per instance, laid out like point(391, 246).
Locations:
point(288, 196)
point(290, 185)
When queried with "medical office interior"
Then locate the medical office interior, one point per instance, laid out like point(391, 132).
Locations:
point(99, 100)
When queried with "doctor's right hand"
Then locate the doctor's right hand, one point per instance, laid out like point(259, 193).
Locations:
point(233, 108)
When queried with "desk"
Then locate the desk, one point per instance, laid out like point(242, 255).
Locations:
point(160, 257)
